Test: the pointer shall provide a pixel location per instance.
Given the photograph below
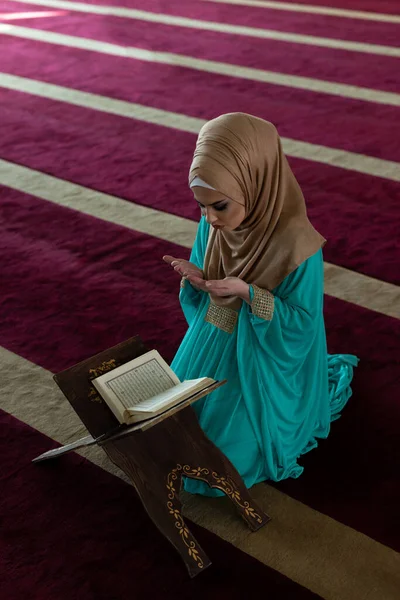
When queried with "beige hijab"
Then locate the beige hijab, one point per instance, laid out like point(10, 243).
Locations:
point(241, 157)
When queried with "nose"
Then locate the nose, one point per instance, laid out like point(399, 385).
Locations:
point(211, 217)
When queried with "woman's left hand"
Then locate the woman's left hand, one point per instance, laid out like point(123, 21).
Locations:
point(230, 286)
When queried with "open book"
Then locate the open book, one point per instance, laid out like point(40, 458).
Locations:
point(144, 388)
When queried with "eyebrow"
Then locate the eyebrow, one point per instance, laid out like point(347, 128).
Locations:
point(214, 203)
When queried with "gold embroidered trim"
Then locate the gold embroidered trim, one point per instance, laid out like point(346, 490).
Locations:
point(183, 281)
point(223, 483)
point(179, 522)
point(263, 304)
point(105, 367)
point(226, 485)
point(222, 317)
point(229, 488)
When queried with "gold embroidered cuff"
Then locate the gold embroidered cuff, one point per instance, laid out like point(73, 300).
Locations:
point(222, 317)
point(263, 304)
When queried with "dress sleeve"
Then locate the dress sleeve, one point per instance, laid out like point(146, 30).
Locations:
point(288, 317)
point(190, 298)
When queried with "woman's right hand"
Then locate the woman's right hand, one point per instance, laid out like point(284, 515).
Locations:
point(184, 267)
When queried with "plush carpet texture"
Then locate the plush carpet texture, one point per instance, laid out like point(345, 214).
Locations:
point(86, 535)
point(112, 102)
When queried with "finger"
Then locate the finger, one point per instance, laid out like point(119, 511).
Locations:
point(168, 259)
point(199, 287)
point(195, 278)
point(197, 282)
point(219, 292)
point(193, 270)
point(218, 288)
point(216, 284)
point(213, 289)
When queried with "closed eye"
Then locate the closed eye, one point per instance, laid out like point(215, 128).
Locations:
point(218, 207)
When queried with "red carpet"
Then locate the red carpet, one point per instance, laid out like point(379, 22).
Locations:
point(128, 159)
point(72, 531)
point(72, 285)
point(112, 155)
point(100, 269)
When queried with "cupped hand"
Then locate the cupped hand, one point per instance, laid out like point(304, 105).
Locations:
point(184, 267)
point(230, 286)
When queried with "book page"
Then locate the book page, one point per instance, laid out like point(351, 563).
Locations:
point(177, 393)
point(140, 382)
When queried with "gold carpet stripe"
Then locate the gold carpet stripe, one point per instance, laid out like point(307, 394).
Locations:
point(340, 283)
point(112, 209)
point(314, 152)
point(308, 84)
point(327, 557)
point(315, 10)
point(176, 21)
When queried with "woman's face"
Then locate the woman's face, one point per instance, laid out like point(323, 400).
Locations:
point(220, 212)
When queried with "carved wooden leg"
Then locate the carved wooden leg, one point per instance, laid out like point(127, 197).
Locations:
point(217, 470)
point(236, 492)
point(160, 498)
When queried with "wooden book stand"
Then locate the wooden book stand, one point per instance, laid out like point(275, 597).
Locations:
point(156, 453)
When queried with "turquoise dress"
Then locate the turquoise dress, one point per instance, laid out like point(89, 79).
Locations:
point(283, 388)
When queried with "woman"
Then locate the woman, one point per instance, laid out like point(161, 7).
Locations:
point(252, 295)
